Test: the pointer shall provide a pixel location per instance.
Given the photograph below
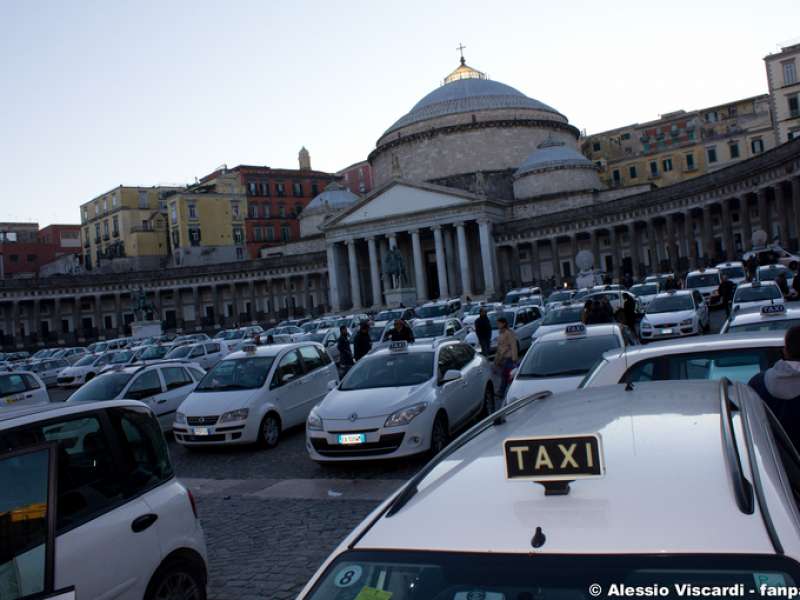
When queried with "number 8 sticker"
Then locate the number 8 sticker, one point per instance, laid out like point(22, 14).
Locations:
point(348, 576)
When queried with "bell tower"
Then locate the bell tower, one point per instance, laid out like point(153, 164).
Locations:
point(304, 158)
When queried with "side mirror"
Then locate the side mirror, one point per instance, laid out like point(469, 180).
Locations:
point(451, 375)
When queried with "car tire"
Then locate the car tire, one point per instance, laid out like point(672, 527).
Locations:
point(178, 579)
point(269, 431)
point(439, 434)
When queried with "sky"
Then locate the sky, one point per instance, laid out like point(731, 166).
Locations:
point(101, 93)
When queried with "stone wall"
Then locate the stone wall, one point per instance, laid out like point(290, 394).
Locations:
point(497, 184)
point(308, 245)
point(203, 255)
point(551, 181)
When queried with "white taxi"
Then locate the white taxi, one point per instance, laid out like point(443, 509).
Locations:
point(558, 361)
point(21, 388)
point(756, 295)
point(645, 292)
point(705, 281)
point(767, 318)
point(84, 370)
point(429, 330)
point(676, 313)
point(733, 270)
point(771, 272)
point(401, 400)
point(557, 318)
point(252, 395)
point(588, 494)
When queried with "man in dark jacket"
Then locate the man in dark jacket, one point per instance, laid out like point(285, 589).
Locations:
point(345, 353)
point(779, 386)
point(725, 291)
point(483, 329)
point(362, 343)
point(629, 312)
point(401, 332)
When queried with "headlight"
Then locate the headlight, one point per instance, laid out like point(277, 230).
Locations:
point(406, 415)
point(686, 322)
point(646, 325)
point(314, 422)
point(234, 415)
point(180, 418)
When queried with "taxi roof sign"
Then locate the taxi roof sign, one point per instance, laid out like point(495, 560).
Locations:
point(554, 461)
point(401, 346)
point(576, 329)
point(773, 309)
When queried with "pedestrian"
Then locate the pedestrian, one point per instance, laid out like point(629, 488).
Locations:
point(629, 312)
point(779, 386)
point(795, 293)
point(345, 353)
point(725, 291)
point(751, 264)
point(483, 329)
point(401, 332)
point(586, 313)
point(782, 282)
point(670, 284)
point(362, 343)
point(270, 340)
point(507, 354)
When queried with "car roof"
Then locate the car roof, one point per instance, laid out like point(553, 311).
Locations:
point(384, 348)
point(591, 331)
point(733, 263)
point(771, 267)
point(753, 315)
point(675, 293)
point(651, 499)
point(24, 415)
point(749, 284)
point(269, 350)
point(706, 343)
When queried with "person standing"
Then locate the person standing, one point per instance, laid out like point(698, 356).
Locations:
point(345, 353)
point(782, 282)
point(726, 290)
point(401, 332)
point(507, 355)
point(483, 329)
point(362, 343)
point(751, 264)
point(629, 312)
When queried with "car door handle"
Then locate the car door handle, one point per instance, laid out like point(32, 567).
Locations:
point(143, 522)
point(161, 400)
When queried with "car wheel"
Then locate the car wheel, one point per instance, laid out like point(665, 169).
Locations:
point(270, 431)
point(488, 404)
point(439, 434)
point(177, 580)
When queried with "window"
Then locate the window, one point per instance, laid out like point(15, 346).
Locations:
point(238, 235)
point(270, 233)
point(212, 348)
point(596, 146)
point(85, 215)
point(251, 187)
point(192, 211)
point(667, 165)
point(314, 188)
point(286, 233)
point(14, 258)
point(143, 200)
point(736, 365)
point(197, 352)
point(176, 377)
point(689, 161)
point(297, 189)
point(173, 213)
point(144, 386)
point(298, 208)
point(235, 210)
point(144, 456)
point(194, 236)
point(734, 149)
point(794, 105)
point(711, 152)
point(264, 188)
point(789, 73)
point(757, 146)
point(257, 234)
point(653, 168)
point(105, 228)
point(253, 210)
point(732, 111)
point(282, 211)
point(31, 258)
point(793, 133)
point(632, 174)
point(280, 189)
point(239, 253)
point(176, 238)
point(105, 205)
point(289, 369)
point(115, 226)
point(311, 358)
point(265, 211)
point(615, 176)
point(712, 116)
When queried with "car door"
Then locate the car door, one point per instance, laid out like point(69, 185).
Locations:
point(702, 307)
point(146, 387)
point(471, 371)
point(178, 384)
point(316, 376)
point(288, 389)
point(453, 393)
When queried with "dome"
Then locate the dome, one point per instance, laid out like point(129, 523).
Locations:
point(551, 154)
point(467, 92)
point(333, 198)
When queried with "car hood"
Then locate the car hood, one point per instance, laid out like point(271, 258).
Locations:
point(520, 387)
point(199, 404)
point(669, 317)
point(73, 371)
point(756, 303)
point(373, 402)
point(542, 329)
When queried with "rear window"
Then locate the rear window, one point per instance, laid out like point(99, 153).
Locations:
point(11, 384)
point(765, 325)
point(705, 280)
point(757, 294)
point(105, 387)
point(565, 358)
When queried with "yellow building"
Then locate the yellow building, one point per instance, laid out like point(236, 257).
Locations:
point(681, 145)
point(126, 226)
point(784, 90)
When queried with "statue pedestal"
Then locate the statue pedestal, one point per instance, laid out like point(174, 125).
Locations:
point(406, 296)
point(143, 329)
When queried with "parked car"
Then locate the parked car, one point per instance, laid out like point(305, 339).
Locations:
point(48, 369)
point(22, 388)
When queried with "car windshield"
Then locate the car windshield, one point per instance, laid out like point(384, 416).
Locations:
point(153, 353)
point(233, 335)
point(757, 294)
point(570, 314)
point(771, 273)
point(531, 301)
point(493, 316)
point(375, 333)
point(512, 297)
point(98, 347)
point(704, 280)
point(566, 357)
point(559, 296)
point(317, 336)
point(309, 327)
point(236, 374)
point(388, 315)
point(385, 574)
point(437, 310)
point(179, 352)
point(733, 272)
point(394, 369)
point(120, 358)
point(86, 361)
point(426, 330)
point(645, 290)
point(667, 304)
point(765, 324)
point(105, 387)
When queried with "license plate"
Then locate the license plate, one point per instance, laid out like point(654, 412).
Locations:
point(201, 430)
point(666, 331)
point(352, 438)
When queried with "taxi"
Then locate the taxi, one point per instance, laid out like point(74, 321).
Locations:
point(400, 400)
point(673, 314)
point(21, 388)
point(429, 330)
point(583, 494)
point(517, 294)
point(733, 270)
point(766, 318)
point(558, 298)
point(660, 279)
point(645, 292)
point(558, 361)
point(84, 370)
point(756, 295)
point(705, 281)
point(770, 273)
point(439, 308)
point(556, 318)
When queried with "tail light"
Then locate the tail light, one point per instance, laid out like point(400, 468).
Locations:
point(193, 503)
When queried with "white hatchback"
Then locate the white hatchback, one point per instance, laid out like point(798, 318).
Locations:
point(21, 388)
point(675, 314)
point(84, 370)
point(253, 395)
point(756, 295)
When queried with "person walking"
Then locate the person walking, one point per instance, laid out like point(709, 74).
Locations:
point(751, 265)
point(726, 290)
point(345, 353)
point(483, 329)
point(629, 312)
point(401, 332)
point(507, 354)
point(779, 386)
point(362, 343)
point(783, 284)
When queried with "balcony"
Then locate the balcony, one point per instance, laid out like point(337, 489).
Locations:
point(115, 233)
point(106, 237)
point(97, 239)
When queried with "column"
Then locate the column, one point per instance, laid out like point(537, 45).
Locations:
point(463, 260)
point(708, 235)
point(651, 241)
point(78, 321)
point(235, 303)
point(796, 206)
point(516, 271)
point(555, 261)
point(614, 239)
point(333, 279)
point(159, 316)
point(118, 321)
point(383, 250)
point(198, 308)
point(373, 272)
point(216, 298)
point(419, 267)
point(763, 213)
point(747, 226)
point(574, 249)
point(57, 320)
point(98, 317)
point(450, 260)
point(392, 240)
point(485, 235)
point(304, 298)
point(672, 247)
point(19, 330)
point(689, 234)
point(633, 236)
point(355, 288)
point(441, 268)
point(251, 287)
point(727, 230)
point(595, 243)
point(781, 197)
point(536, 267)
